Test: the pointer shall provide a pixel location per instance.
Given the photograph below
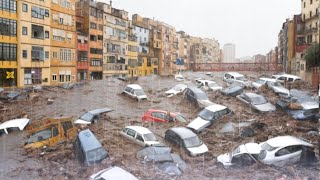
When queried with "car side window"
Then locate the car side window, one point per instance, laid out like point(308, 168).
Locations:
point(139, 137)
point(132, 91)
point(282, 78)
point(125, 130)
point(128, 89)
point(131, 133)
point(55, 131)
point(236, 159)
point(223, 112)
point(282, 152)
point(158, 115)
point(290, 79)
point(232, 77)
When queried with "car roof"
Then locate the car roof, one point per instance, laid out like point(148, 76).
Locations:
point(98, 111)
point(236, 74)
point(139, 129)
point(290, 76)
point(208, 81)
point(134, 86)
point(21, 123)
point(251, 148)
point(268, 79)
point(216, 107)
point(183, 132)
point(283, 141)
point(196, 90)
point(162, 111)
point(252, 95)
point(88, 140)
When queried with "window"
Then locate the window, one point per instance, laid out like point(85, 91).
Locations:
point(100, 27)
point(8, 5)
point(93, 12)
point(96, 51)
point(54, 77)
point(93, 38)
point(61, 78)
point(61, 20)
point(93, 25)
point(24, 7)
point(55, 55)
point(95, 62)
point(139, 137)
point(24, 31)
point(46, 34)
point(32, 76)
point(132, 48)
point(24, 54)
point(310, 1)
point(46, 54)
point(47, 13)
point(131, 133)
point(37, 53)
point(66, 55)
point(100, 38)
point(8, 27)
point(37, 32)
point(68, 78)
point(37, 12)
point(8, 52)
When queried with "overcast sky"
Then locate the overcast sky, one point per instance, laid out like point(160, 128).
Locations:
point(252, 25)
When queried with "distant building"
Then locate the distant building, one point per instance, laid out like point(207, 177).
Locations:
point(259, 58)
point(229, 52)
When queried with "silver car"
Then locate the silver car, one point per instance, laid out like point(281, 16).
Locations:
point(257, 102)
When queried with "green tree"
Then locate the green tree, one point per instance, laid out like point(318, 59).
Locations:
point(312, 55)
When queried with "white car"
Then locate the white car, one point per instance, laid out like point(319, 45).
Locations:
point(208, 116)
point(208, 85)
point(278, 88)
point(262, 81)
point(231, 77)
point(15, 123)
point(177, 89)
point(257, 102)
point(286, 77)
point(135, 91)
point(243, 155)
point(179, 77)
point(140, 135)
point(113, 173)
point(91, 116)
point(283, 150)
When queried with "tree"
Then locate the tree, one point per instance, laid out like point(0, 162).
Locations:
point(312, 55)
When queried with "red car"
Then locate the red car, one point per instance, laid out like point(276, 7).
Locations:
point(162, 116)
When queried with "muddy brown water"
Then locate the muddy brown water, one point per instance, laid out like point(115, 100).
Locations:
point(61, 163)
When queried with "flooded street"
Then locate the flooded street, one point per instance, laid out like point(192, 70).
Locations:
point(60, 162)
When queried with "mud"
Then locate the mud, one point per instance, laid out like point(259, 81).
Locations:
point(60, 163)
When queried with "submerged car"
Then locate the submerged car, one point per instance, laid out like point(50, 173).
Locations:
point(6, 126)
point(153, 115)
point(208, 116)
point(197, 97)
point(140, 135)
point(278, 88)
point(135, 91)
point(186, 139)
point(283, 150)
point(231, 77)
point(208, 85)
point(282, 78)
point(91, 116)
point(233, 90)
point(113, 173)
point(179, 77)
point(262, 81)
point(177, 89)
point(88, 149)
point(257, 102)
point(243, 155)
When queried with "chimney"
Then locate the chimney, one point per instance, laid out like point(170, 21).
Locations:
point(110, 3)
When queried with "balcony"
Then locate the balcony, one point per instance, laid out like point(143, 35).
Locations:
point(144, 43)
point(312, 30)
point(82, 65)
point(132, 38)
point(300, 48)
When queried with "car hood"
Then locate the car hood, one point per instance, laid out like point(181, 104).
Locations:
point(224, 159)
point(194, 151)
point(172, 91)
point(198, 124)
point(150, 143)
point(282, 90)
point(265, 107)
point(80, 121)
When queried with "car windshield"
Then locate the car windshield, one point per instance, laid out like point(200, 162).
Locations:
point(266, 147)
point(235, 151)
point(259, 81)
point(96, 154)
point(181, 118)
point(202, 96)
point(192, 142)
point(208, 115)
point(241, 78)
point(258, 100)
point(40, 136)
point(139, 92)
point(276, 84)
point(87, 117)
point(150, 137)
point(177, 88)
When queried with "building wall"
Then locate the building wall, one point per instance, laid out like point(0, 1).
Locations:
point(229, 53)
point(311, 19)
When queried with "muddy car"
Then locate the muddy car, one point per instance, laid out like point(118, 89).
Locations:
point(113, 173)
point(50, 132)
point(92, 116)
point(161, 116)
point(256, 101)
point(243, 155)
point(7, 126)
point(186, 139)
point(283, 150)
point(232, 90)
point(208, 116)
point(208, 85)
point(176, 90)
point(278, 88)
point(197, 97)
point(88, 149)
point(231, 77)
point(139, 135)
point(135, 91)
point(179, 77)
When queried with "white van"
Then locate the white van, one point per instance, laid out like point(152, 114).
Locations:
point(231, 77)
point(286, 77)
point(135, 91)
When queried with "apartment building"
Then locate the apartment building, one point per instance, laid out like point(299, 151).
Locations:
point(229, 53)
point(63, 41)
point(115, 52)
point(9, 36)
point(310, 16)
point(184, 45)
point(132, 52)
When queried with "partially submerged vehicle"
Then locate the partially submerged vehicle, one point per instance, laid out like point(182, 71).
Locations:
point(179, 77)
point(135, 91)
point(92, 116)
point(139, 135)
point(231, 77)
point(113, 173)
point(176, 90)
point(197, 97)
point(283, 150)
point(232, 90)
point(262, 81)
point(50, 132)
point(186, 139)
point(257, 102)
point(278, 88)
point(7, 126)
point(282, 78)
point(153, 115)
point(243, 155)
point(88, 149)
point(9, 95)
point(208, 85)
point(208, 116)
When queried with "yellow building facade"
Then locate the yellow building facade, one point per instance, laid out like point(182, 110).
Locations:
point(132, 53)
point(63, 47)
point(8, 43)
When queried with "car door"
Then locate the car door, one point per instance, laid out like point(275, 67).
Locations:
point(132, 93)
point(286, 156)
point(158, 117)
point(139, 139)
point(170, 136)
point(131, 134)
